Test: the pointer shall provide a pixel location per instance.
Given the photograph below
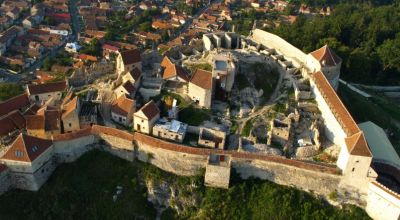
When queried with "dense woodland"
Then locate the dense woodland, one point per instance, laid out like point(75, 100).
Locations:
point(365, 35)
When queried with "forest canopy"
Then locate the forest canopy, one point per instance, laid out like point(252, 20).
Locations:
point(365, 35)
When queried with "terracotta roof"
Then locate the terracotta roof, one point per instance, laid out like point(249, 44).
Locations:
point(11, 122)
point(73, 135)
point(52, 120)
point(70, 95)
point(202, 79)
point(26, 148)
point(335, 104)
point(35, 122)
point(87, 57)
point(129, 87)
point(150, 110)
point(32, 110)
point(130, 56)
point(14, 103)
point(69, 107)
point(357, 145)
point(46, 88)
point(123, 105)
point(326, 56)
point(110, 47)
point(173, 70)
point(135, 73)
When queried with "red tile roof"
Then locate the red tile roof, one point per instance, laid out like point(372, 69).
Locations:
point(129, 87)
point(150, 110)
point(135, 73)
point(172, 70)
point(357, 145)
point(35, 122)
point(131, 56)
point(110, 47)
point(27, 148)
point(202, 78)
point(123, 105)
point(355, 141)
point(15, 103)
point(11, 122)
point(69, 107)
point(326, 56)
point(46, 88)
point(87, 57)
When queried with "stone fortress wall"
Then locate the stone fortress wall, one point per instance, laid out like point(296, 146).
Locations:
point(188, 161)
point(184, 160)
point(339, 125)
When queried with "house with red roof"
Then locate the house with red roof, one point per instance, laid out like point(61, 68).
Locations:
point(134, 76)
point(45, 92)
point(201, 87)
point(128, 60)
point(145, 118)
point(122, 110)
point(30, 161)
point(126, 88)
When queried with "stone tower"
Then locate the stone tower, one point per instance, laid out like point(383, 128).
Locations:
point(326, 61)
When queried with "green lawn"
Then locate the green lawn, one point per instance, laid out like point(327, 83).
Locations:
point(193, 116)
point(374, 109)
point(203, 66)
point(247, 127)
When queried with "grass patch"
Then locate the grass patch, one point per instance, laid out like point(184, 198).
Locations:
point(9, 90)
point(234, 127)
point(247, 127)
point(195, 66)
point(363, 109)
point(280, 108)
point(241, 81)
point(193, 116)
point(265, 79)
point(189, 137)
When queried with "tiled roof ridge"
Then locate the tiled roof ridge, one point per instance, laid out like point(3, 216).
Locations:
point(332, 107)
point(341, 114)
point(386, 189)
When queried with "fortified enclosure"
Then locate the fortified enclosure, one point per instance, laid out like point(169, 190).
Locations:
point(318, 121)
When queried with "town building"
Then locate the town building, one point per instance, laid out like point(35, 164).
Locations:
point(44, 92)
point(122, 110)
point(145, 118)
point(70, 109)
point(201, 88)
point(211, 138)
point(30, 160)
point(170, 130)
point(218, 171)
point(128, 60)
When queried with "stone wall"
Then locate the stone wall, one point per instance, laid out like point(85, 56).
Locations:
point(5, 179)
point(273, 41)
point(317, 182)
point(382, 203)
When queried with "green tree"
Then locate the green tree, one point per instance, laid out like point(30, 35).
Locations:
point(389, 53)
point(9, 90)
